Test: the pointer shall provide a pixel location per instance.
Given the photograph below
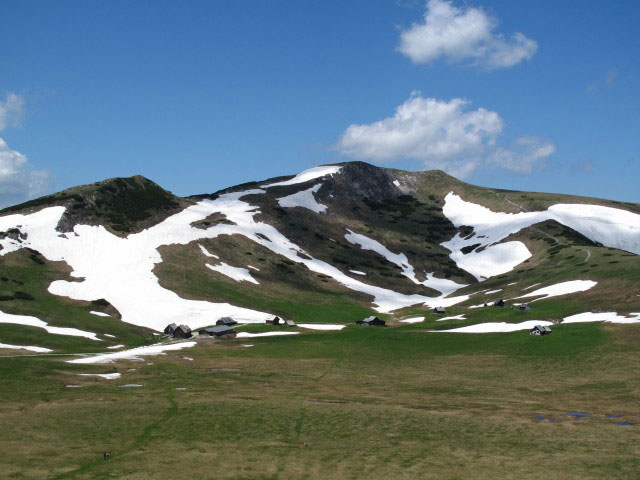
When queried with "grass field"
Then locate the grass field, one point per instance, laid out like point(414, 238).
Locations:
point(365, 402)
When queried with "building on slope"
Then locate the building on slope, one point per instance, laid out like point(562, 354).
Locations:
point(182, 331)
point(289, 323)
point(169, 329)
point(219, 331)
point(371, 321)
point(439, 310)
point(525, 307)
point(499, 303)
point(227, 321)
point(274, 320)
point(540, 330)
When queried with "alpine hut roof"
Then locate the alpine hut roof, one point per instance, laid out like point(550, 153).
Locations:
point(218, 331)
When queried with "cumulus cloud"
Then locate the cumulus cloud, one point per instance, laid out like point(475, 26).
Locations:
point(11, 111)
point(18, 180)
point(463, 34)
point(523, 156)
point(443, 135)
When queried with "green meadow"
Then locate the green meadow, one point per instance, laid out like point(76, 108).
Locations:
point(365, 402)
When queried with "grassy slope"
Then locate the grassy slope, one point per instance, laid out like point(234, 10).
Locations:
point(285, 288)
point(361, 403)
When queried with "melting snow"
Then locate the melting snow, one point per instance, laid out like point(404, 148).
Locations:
point(100, 314)
point(496, 327)
point(412, 320)
point(34, 322)
point(303, 199)
point(109, 335)
point(207, 253)
point(115, 347)
point(400, 259)
point(307, 175)
point(265, 334)
point(396, 183)
point(357, 272)
point(455, 317)
point(610, 317)
point(134, 353)
point(493, 291)
point(121, 269)
point(236, 273)
point(322, 326)
point(108, 376)
point(23, 347)
point(610, 226)
point(563, 288)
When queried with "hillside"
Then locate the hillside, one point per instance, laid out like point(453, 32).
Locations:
point(332, 242)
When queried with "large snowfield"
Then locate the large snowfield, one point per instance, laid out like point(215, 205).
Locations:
point(611, 227)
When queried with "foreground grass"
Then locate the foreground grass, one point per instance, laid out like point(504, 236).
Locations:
point(360, 403)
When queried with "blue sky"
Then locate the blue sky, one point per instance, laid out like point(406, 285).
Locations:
point(198, 96)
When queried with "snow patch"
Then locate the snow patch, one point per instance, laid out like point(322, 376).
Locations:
point(322, 326)
point(412, 320)
point(100, 314)
point(357, 272)
point(304, 199)
point(236, 273)
point(134, 353)
point(35, 322)
point(609, 317)
point(493, 291)
point(305, 176)
point(25, 347)
point(563, 288)
point(207, 253)
point(114, 347)
point(264, 334)
point(108, 376)
point(496, 327)
point(455, 317)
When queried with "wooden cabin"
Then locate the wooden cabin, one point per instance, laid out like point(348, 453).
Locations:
point(227, 321)
point(371, 321)
point(540, 330)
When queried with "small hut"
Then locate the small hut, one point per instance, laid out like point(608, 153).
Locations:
point(227, 321)
point(274, 320)
point(169, 329)
point(182, 331)
point(439, 310)
point(525, 307)
point(289, 323)
point(371, 321)
point(218, 331)
point(499, 303)
point(540, 330)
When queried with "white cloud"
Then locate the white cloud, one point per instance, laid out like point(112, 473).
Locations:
point(463, 34)
point(11, 111)
point(525, 154)
point(18, 180)
point(443, 135)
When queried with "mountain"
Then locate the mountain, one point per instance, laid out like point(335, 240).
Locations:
point(336, 242)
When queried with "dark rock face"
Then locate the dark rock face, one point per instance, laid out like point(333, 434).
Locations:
point(123, 205)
